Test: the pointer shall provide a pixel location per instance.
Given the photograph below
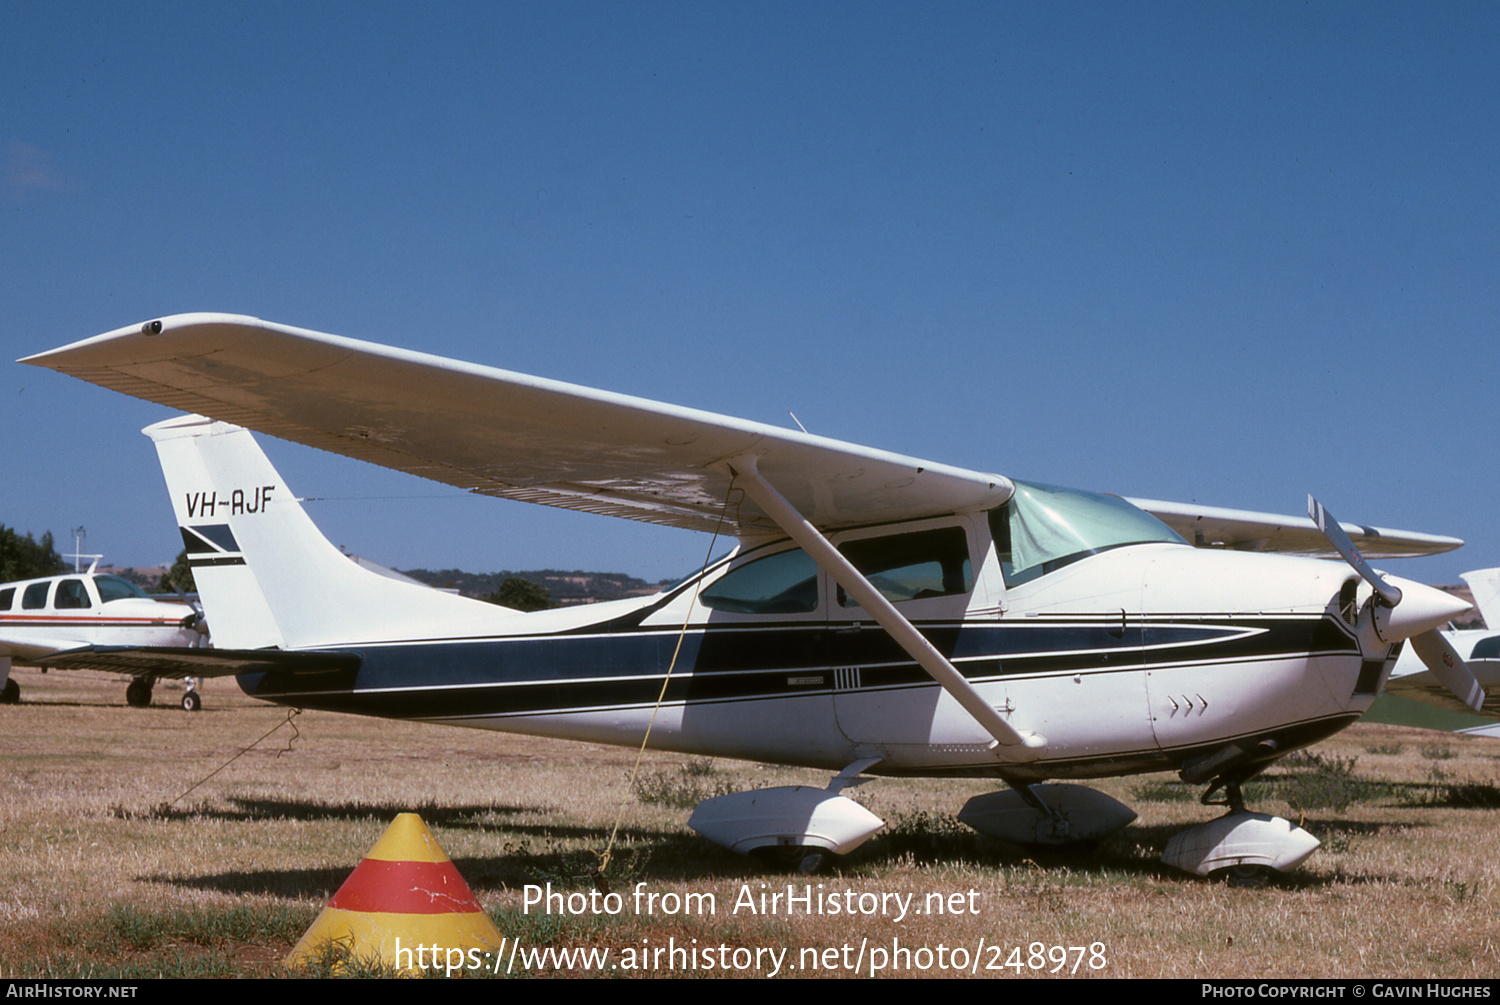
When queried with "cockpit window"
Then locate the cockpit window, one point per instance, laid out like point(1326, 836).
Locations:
point(71, 596)
point(116, 588)
point(912, 566)
point(1043, 528)
point(784, 583)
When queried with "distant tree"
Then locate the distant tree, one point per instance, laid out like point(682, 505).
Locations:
point(26, 558)
point(179, 577)
point(521, 594)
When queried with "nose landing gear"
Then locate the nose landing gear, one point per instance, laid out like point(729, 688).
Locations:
point(1241, 847)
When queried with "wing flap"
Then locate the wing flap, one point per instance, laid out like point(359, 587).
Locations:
point(1244, 530)
point(506, 434)
point(175, 663)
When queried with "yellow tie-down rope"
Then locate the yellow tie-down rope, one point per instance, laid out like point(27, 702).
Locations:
point(614, 831)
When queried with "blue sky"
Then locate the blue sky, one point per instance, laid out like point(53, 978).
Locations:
point(1226, 252)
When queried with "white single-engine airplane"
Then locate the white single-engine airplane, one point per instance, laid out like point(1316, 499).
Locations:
point(881, 614)
point(40, 618)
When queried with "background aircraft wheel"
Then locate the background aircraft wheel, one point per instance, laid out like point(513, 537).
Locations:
point(11, 693)
point(1246, 877)
point(138, 694)
point(798, 858)
point(191, 702)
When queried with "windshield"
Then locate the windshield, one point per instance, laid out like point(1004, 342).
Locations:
point(115, 588)
point(1044, 527)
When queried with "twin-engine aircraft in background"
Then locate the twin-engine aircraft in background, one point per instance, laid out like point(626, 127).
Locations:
point(881, 614)
point(40, 618)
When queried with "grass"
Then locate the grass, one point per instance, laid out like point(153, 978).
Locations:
point(111, 874)
point(694, 781)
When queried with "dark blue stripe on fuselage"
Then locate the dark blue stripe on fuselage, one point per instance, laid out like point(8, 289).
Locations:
point(454, 679)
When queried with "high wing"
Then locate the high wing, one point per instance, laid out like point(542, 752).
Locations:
point(1244, 530)
point(506, 434)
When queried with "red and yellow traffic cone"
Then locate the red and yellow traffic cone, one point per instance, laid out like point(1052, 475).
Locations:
point(404, 905)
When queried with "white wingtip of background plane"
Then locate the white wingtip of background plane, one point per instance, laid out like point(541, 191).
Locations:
point(1484, 584)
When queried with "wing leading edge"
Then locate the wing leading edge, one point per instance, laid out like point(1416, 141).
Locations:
point(499, 433)
point(1244, 530)
point(505, 434)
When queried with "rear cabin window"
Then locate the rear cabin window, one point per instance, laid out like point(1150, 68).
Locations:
point(784, 583)
point(924, 563)
point(7, 597)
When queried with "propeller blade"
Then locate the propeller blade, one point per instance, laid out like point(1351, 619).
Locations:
point(1448, 667)
point(196, 620)
point(1389, 595)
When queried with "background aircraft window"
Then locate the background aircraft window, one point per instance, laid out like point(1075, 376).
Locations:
point(1044, 527)
point(71, 596)
point(35, 597)
point(7, 597)
point(116, 588)
point(924, 563)
point(785, 583)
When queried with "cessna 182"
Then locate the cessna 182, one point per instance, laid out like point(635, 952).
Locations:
point(881, 614)
point(42, 617)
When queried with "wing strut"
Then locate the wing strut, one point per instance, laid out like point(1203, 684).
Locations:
point(1014, 745)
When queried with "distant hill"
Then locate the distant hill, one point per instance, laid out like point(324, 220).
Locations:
point(147, 579)
point(566, 588)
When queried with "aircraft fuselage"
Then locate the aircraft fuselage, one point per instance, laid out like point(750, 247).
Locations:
point(1137, 658)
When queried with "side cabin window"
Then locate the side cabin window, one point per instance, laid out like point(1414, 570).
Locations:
point(71, 596)
point(1043, 528)
point(35, 597)
point(7, 597)
point(784, 583)
point(912, 566)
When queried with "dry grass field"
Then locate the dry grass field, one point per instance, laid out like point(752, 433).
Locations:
point(109, 873)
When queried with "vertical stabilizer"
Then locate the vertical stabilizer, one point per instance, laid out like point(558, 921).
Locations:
point(267, 576)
